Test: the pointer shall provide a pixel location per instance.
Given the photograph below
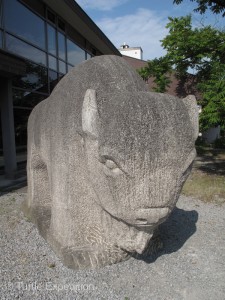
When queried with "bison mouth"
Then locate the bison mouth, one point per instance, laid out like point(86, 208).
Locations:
point(149, 218)
point(151, 215)
point(144, 219)
point(135, 228)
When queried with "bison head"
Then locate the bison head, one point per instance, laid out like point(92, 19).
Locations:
point(139, 149)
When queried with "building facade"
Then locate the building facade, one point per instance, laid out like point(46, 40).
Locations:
point(40, 41)
point(177, 87)
point(135, 52)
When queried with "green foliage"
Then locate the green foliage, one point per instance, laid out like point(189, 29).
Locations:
point(203, 50)
point(144, 73)
point(194, 48)
point(159, 69)
point(216, 6)
point(213, 91)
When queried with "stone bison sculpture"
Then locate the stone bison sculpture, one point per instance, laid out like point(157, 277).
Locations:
point(106, 162)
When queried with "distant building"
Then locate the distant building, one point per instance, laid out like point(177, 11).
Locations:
point(40, 41)
point(135, 52)
point(179, 88)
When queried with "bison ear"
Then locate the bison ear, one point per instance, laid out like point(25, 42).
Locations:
point(90, 117)
point(191, 105)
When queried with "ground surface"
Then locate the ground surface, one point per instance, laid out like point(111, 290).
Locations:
point(207, 180)
point(210, 161)
point(190, 266)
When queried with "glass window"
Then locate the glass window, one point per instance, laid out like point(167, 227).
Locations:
point(94, 52)
point(75, 54)
point(23, 103)
point(1, 147)
point(69, 67)
point(61, 46)
point(52, 62)
point(24, 23)
point(51, 40)
point(23, 49)
point(61, 25)
point(26, 100)
point(35, 78)
point(61, 76)
point(51, 16)
point(1, 45)
point(20, 124)
point(0, 13)
point(88, 55)
point(53, 79)
point(62, 67)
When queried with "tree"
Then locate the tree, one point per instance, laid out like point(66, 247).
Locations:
point(216, 6)
point(213, 100)
point(202, 50)
point(195, 48)
point(160, 69)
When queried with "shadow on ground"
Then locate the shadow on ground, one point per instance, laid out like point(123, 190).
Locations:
point(211, 162)
point(212, 167)
point(173, 233)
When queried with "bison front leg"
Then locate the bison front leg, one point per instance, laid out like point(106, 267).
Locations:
point(38, 204)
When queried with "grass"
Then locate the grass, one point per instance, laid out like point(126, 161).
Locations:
point(205, 184)
point(206, 187)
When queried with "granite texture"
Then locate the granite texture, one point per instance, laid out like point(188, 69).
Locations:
point(106, 162)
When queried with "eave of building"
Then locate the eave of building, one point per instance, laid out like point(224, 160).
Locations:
point(71, 12)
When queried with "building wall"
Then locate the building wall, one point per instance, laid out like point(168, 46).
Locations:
point(132, 52)
point(179, 88)
point(135, 63)
point(211, 134)
point(49, 47)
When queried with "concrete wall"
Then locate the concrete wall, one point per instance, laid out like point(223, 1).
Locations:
point(211, 134)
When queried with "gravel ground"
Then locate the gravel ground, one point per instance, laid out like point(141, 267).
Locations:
point(190, 266)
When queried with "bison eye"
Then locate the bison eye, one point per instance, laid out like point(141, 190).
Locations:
point(110, 164)
point(111, 168)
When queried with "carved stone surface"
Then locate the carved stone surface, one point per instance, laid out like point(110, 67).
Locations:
point(106, 162)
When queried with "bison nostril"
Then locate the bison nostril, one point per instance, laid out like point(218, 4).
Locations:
point(141, 221)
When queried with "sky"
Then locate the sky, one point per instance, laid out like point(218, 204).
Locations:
point(141, 23)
